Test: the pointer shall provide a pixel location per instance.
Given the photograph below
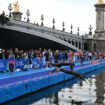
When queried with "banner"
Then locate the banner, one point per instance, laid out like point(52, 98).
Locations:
point(35, 63)
point(19, 63)
point(3, 65)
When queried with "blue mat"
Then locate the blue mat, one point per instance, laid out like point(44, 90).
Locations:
point(7, 78)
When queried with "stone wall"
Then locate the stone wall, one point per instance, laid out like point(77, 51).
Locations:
point(100, 45)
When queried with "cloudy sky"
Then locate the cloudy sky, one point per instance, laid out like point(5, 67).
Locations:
point(79, 13)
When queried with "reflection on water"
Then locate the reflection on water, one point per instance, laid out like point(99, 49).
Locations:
point(73, 92)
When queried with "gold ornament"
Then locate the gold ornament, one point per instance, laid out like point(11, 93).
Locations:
point(16, 6)
point(100, 2)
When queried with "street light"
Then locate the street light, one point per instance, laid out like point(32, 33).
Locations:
point(90, 30)
point(28, 14)
point(78, 31)
point(71, 28)
point(63, 24)
point(10, 9)
point(42, 18)
point(53, 21)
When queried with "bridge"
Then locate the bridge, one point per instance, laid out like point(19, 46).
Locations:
point(27, 35)
point(72, 41)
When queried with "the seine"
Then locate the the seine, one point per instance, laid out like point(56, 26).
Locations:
point(72, 92)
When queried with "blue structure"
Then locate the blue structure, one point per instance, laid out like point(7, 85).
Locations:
point(21, 83)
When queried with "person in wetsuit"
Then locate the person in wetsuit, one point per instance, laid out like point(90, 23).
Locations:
point(72, 72)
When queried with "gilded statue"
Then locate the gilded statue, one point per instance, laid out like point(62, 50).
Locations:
point(100, 1)
point(16, 6)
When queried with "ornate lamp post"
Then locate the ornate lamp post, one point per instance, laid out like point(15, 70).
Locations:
point(78, 31)
point(90, 30)
point(71, 28)
point(28, 14)
point(63, 24)
point(10, 9)
point(53, 21)
point(42, 18)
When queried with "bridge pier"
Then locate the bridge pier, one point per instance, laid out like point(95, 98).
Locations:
point(74, 43)
point(82, 46)
point(77, 44)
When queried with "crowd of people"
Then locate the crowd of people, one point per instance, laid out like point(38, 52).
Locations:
point(43, 56)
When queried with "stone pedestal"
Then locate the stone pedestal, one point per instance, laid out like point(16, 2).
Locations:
point(99, 38)
point(17, 15)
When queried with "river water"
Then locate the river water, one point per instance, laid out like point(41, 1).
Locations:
point(72, 92)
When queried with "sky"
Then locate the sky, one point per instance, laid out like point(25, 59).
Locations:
point(79, 13)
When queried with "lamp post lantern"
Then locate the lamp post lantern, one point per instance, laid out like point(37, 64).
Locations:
point(90, 30)
point(53, 21)
point(10, 9)
point(63, 24)
point(28, 14)
point(71, 28)
point(42, 18)
point(78, 31)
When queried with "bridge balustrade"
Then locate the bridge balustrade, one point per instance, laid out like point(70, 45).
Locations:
point(37, 29)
